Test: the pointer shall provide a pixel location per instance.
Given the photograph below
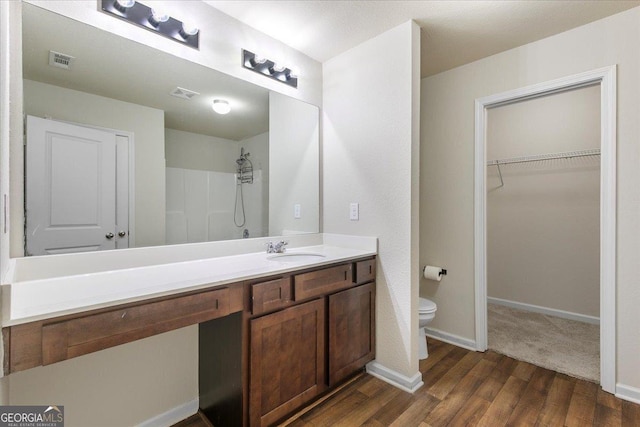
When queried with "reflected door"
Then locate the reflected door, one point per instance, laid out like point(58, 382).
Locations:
point(71, 188)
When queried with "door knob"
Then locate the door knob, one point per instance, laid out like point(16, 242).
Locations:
point(109, 236)
point(122, 233)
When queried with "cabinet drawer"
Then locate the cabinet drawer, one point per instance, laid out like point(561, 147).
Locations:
point(75, 337)
point(271, 295)
point(365, 271)
point(322, 282)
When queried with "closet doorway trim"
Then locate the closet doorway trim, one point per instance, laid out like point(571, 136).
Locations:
point(606, 78)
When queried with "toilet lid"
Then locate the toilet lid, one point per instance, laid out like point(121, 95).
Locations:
point(427, 306)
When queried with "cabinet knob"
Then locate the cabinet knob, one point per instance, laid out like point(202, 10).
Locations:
point(122, 233)
point(109, 236)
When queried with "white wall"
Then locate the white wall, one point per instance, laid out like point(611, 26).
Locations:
point(201, 206)
point(294, 170)
point(446, 236)
point(370, 144)
point(10, 131)
point(147, 125)
point(119, 386)
point(543, 225)
point(201, 152)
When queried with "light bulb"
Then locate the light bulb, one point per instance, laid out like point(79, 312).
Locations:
point(189, 30)
point(278, 67)
point(293, 73)
point(158, 16)
point(125, 3)
point(259, 59)
point(221, 106)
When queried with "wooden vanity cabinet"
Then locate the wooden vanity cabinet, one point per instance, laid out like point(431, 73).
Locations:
point(287, 361)
point(351, 331)
point(310, 344)
point(53, 340)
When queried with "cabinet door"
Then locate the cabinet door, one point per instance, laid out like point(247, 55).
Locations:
point(351, 331)
point(287, 361)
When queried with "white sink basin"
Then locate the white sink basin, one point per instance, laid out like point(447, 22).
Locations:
point(296, 257)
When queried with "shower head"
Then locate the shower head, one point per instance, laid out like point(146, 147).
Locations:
point(243, 157)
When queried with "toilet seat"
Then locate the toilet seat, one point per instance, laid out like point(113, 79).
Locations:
point(427, 306)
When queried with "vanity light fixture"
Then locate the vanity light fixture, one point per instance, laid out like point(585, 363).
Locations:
point(221, 106)
point(154, 20)
point(269, 68)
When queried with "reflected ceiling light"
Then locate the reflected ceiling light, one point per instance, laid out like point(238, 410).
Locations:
point(221, 106)
point(154, 20)
point(269, 68)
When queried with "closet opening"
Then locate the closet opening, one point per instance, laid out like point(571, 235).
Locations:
point(543, 231)
point(545, 224)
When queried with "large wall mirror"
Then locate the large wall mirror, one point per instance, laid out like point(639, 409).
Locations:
point(124, 149)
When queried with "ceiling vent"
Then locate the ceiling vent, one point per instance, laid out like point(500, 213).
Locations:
point(60, 60)
point(183, 93)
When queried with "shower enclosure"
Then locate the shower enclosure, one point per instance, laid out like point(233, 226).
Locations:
point(206, 205)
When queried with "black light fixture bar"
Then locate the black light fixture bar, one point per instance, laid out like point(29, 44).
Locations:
point(268, 68)
point(140, 15)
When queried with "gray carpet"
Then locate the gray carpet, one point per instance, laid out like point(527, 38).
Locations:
point(562, 345)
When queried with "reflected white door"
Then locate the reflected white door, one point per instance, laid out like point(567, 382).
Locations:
point(71, 188)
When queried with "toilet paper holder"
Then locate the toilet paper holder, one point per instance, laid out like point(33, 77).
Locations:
point(442, 272)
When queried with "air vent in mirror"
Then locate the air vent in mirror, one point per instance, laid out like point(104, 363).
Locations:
point(60, 60)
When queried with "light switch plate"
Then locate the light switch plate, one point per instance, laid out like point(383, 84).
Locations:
point(354, 211)
point(297, 211)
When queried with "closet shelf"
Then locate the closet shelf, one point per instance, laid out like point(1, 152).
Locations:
point(541, 157)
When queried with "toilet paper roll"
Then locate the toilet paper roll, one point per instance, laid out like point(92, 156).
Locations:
point(433, 273)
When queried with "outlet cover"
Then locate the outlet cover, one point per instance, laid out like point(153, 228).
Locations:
point(354, 211)
point(297, 211)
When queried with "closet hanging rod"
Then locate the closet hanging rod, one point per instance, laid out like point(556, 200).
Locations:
point(539, 157)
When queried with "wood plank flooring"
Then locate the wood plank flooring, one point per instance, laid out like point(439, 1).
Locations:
point(466, 388)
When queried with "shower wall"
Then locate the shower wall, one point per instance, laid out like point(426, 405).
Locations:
point(200, 206)
point(201, 187)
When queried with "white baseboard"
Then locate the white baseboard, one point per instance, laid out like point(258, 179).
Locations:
point(545, 310)
point(396, 379)
point(629, 393)
point(452, 339)
point(172, 416)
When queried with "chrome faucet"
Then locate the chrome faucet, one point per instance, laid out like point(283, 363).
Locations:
point(276, 247)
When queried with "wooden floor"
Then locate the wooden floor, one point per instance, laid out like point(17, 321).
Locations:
point(466, 388)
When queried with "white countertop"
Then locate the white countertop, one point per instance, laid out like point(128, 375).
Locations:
point(31, 300)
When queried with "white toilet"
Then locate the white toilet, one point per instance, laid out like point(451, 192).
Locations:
point(426, 313)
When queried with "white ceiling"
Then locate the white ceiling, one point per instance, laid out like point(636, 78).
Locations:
point(453, 32)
